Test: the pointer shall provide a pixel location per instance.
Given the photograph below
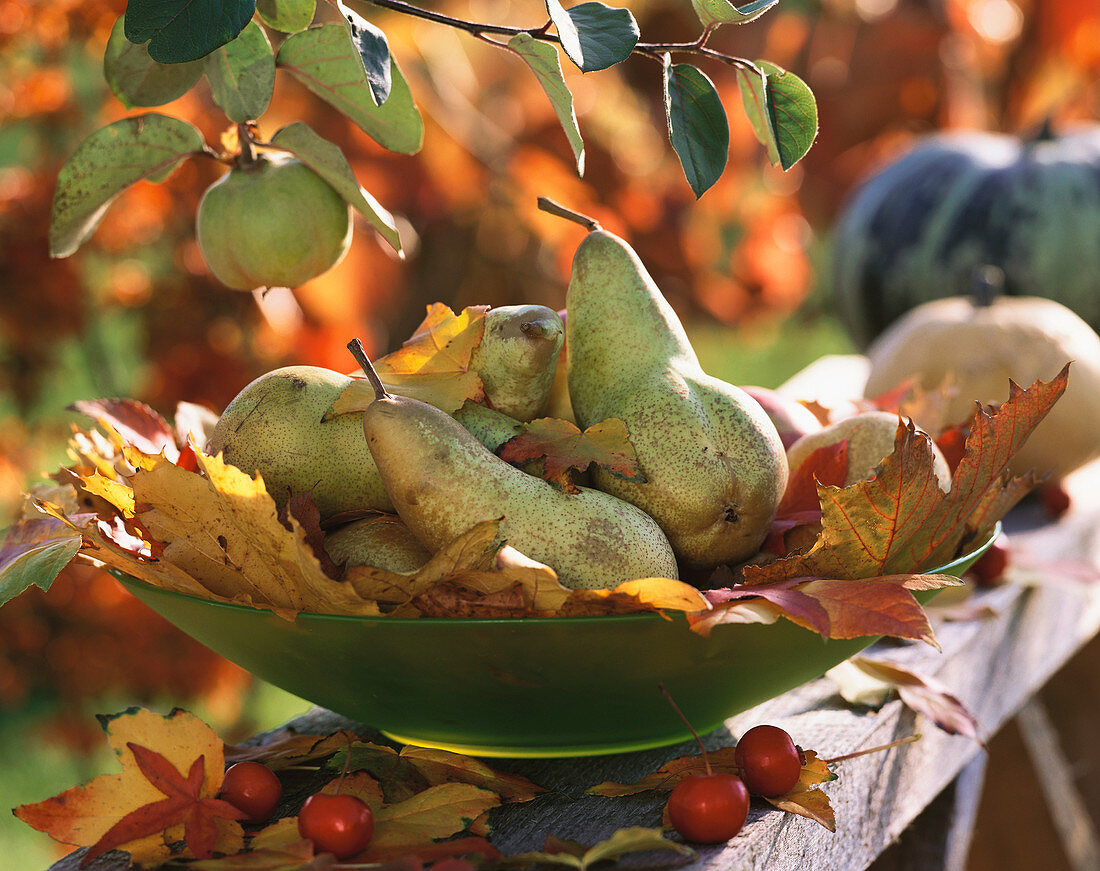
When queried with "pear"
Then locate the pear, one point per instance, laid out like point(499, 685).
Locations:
point(516, 358)
point(870, 436)
point(381, 541)
point(714, 464)
point(442, 481)
point(275, 426)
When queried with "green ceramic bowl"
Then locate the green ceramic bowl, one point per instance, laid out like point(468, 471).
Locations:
point(556, 686)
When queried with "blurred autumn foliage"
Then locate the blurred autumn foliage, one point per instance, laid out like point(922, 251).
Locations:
point(135, 313)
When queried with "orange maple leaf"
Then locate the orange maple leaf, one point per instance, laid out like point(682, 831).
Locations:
point(184, 803)
point(149, 805)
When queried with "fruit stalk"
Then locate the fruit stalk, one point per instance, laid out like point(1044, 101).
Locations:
point(356, 348)
point(555, 208)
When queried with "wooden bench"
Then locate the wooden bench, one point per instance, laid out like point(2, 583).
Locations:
point(920, 797)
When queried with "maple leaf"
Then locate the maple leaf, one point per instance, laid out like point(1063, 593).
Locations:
point(564, 448)
point(900, 521)
point(130, 810)
point(432, 366)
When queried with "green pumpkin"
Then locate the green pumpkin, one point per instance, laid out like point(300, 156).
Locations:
point(924, 226)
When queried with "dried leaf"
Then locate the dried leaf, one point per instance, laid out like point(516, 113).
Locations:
point(670, 774)
point(843, 608)
point(812, 804)
point(915, 524)
point(443, 766)
point(135, 422)
point(34, 552)
point(303, 509)
point(629, 840)
point(436, 812)
point(925, 695)
point(641, 594)
point(564, 448)
point(295, 856)
point(151, 803)
point(432, 366)
point(287, 748)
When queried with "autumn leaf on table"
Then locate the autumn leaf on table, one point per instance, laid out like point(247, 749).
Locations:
point(432, 366)
point(292, 856)
point(805, 799)
point(564, 448)
point(634, 839)
point(286, 748)
point(863, 680)
point(900, 521)
point(172, 768)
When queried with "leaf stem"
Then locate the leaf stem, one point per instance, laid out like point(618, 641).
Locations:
point(356, 348)
point(909, 740)
point(555, 208)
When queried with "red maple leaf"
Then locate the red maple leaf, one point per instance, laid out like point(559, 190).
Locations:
point(184, 803)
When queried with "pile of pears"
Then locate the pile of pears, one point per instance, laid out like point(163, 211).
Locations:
point(713, 461)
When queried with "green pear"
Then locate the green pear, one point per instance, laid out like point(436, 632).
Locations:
point(442, 481)
point(516, 358)
point(381, 541)
point(714, 463)
point(275, 426)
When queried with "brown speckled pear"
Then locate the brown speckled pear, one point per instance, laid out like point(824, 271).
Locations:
point(714, 463)
point(382, 541)
point(517, 357)
point(442, 481)
point(275, 427)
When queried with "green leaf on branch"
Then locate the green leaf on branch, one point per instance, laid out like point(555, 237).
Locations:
point(782, 110)
point(138, 80)
point(697, 125)
point(109, 161)
point(545, 64)
point(715, 12)
point(593, 35)
point(325, 60)
point(328, 161)
point(242, 74)
point(374, 51)
point(33, 552)
point(184, 30)
point(286, 16)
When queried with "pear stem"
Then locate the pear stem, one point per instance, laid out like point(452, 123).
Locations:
point(356, 348)
point(554, 208)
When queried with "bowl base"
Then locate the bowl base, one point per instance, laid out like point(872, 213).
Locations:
point(501, 751)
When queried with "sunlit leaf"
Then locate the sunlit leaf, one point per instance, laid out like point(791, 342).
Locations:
point(593, 35)
point(544, 63)
point(138, 80)
point(185, 30)
point(286, 16)
point(715, 12)
point(33, 552)
point(782, 110)
point(374, 52)
point(242, 74)
point(108, 162)
point(326, 61)
point(563, 447)
point(697, 125)
point(328, 161)
point(634, 839)
point(172, 760)
point(813, 804)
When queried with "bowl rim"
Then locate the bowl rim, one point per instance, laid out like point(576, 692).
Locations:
point(490, 621)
